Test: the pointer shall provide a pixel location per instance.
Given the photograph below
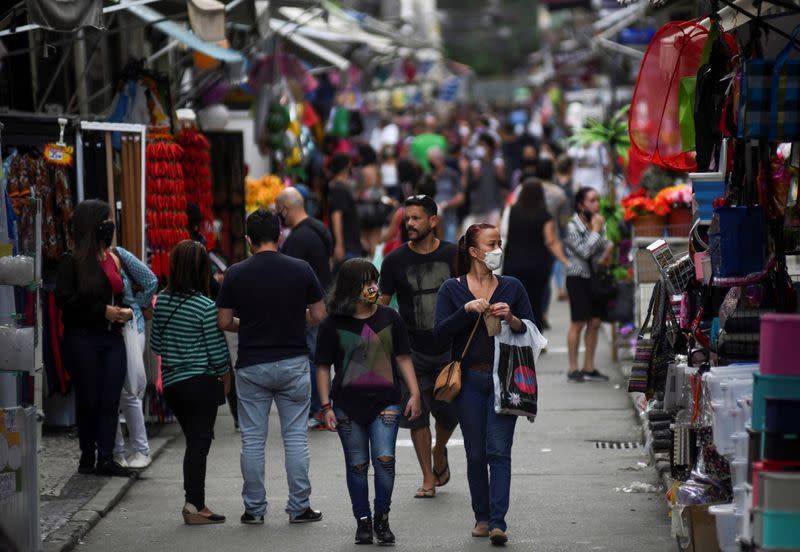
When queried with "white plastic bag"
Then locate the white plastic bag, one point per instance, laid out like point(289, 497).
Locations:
point(136, 379)
point(516, 389)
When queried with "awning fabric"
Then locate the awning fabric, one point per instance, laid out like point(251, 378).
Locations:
point(191, 40)
point(65, 15)
point(308, 45)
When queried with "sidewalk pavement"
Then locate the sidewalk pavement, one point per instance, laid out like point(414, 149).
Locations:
point(564, 488)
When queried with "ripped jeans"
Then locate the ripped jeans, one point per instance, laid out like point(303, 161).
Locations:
point(361, 444)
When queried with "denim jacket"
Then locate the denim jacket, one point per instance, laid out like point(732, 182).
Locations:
point(133, 268)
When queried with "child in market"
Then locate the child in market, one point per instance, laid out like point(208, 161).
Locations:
point(368, 345)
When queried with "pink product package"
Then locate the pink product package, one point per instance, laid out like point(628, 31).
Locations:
point(779, 334)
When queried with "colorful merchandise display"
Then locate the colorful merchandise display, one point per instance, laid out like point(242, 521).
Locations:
point(165, 200)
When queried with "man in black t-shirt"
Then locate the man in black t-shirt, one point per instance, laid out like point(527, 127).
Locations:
point(415, 272)
point(345, 225)
point(310, 241)
point(274, 297)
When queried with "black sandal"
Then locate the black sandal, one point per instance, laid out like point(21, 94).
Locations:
point(446, 470)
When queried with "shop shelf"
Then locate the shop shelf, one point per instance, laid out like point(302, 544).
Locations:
point(767, 386)
point(773, 529)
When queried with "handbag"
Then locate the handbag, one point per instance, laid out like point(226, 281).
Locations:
point(516, 389)
point(769, 104)
point(135, 377)
point(645, 347)
point(448, 382)
point(602, 285)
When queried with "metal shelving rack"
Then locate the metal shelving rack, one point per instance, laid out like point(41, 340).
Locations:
point(20, 421)
point(645, 270)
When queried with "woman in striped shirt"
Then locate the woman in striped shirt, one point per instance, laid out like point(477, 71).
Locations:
point(195, 366)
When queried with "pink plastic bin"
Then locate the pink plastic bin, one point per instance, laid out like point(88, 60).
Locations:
point(780, 334)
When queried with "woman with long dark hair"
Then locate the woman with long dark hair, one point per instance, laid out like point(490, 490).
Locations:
point(89, 291)
point(585, 247)
point(532, 244)
point(470, 305)
point(195, 366)
point(368, 345)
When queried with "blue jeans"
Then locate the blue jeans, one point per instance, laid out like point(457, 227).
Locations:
point(487, 440)
point(362, 443)
point(287, 383)
point(311, 342)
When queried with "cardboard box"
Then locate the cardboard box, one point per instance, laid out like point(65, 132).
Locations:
point(702, 528)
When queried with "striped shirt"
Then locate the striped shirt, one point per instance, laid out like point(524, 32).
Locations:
point(186, 335)
point(582, 246)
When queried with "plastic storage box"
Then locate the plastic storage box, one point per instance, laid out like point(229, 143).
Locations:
point(774, 387)
point(773, 529)
point(782, 416)
point(778, 355)
point(727, 524)
point(779, 491)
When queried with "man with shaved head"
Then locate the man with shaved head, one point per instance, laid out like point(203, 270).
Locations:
point(312, 242)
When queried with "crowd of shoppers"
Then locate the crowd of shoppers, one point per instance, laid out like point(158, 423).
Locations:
point(467, 221)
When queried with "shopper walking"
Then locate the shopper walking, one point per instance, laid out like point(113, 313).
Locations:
point(448, 194)
point(563, 179)
point(532, 245)
point(585, 247)
point(89, 291)
point(274, 297)
point(344, 222)
point(310, 241)
point(139, 284)
point(195, 366)
point(415, 272)
point(369, 348)
point(488, 436)
point(488, 184)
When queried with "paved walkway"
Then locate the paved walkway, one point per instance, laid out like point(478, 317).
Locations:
point(563, 496)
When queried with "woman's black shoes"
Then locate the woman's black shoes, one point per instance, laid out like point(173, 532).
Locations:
point(364, 531)
point(112, 469)
point(382, 531)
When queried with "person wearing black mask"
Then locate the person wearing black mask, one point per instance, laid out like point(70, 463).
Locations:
point(89, 291)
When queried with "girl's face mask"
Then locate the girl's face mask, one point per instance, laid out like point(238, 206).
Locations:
point(371, 295)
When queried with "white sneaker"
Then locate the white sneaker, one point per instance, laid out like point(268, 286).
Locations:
point(139, 461)
point(121, 461)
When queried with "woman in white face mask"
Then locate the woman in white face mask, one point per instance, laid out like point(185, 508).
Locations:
point(479, 297)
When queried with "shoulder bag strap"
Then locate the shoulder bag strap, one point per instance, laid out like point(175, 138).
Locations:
point(656, 291)
point(166, 323)
point(471, 335)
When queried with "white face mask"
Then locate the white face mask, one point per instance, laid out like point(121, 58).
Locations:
point(480, 152)
point(493, 259)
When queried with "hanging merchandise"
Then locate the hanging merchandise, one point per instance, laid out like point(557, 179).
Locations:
point(59, 153)
point(770, 104)
point(166, 217)
point(339, 125)
point(196, 162)
point(654, 122)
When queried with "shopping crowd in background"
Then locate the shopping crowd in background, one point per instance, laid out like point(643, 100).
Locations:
point(411, 249)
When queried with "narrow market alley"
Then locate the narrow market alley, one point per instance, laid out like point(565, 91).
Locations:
point(564, 489)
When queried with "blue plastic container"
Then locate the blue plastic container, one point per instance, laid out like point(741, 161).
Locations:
point(707, 188)
point(780, 530)
point(773, 387)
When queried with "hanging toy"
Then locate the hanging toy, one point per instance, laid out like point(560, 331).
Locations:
point(59, 153)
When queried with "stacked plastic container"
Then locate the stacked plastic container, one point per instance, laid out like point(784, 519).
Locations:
point(774, 439)
point(730, 391)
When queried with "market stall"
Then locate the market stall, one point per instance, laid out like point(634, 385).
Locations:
point(713, 374)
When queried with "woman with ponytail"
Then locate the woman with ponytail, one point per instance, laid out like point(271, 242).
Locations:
point(479, 299)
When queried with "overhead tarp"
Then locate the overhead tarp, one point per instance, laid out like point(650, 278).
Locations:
point(339, 28)
point(187, 37)
point(65, 15)
point(285, 30)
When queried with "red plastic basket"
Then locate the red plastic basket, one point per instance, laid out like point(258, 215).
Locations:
point(654, 126)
